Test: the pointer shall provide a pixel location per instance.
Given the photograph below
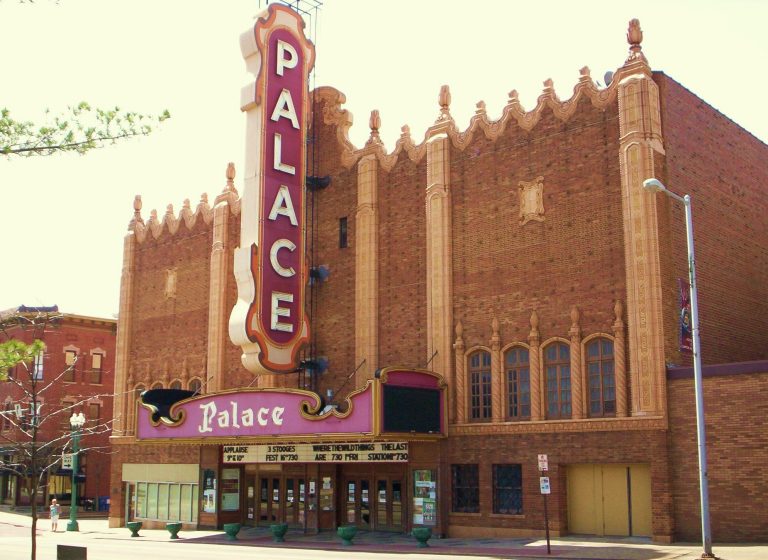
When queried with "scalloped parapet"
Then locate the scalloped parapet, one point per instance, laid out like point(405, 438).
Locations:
point(513, 113)
point(172, 223)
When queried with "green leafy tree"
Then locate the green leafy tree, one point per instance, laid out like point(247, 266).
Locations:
point(80, 129)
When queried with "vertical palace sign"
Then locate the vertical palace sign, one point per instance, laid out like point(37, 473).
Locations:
point(268, 320)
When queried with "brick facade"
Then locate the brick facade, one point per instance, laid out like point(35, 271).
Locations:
point(83, 336)
point(530, 230)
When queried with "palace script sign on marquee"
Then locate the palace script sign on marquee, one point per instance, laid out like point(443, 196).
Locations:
point(268, 320)
point(256, 413)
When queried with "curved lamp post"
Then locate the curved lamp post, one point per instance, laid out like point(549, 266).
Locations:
point(654, 185)
point(76, 421)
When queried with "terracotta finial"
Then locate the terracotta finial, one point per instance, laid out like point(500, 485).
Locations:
point(585, 73)
point(169, 210)
point(153, 215)
point(534, 320)
point(137, 219)
point(186, 205)
point(459, 330)
point(549, 84)
point(618, 310)
point(514, 97)
point(480, 108)
point(230, 173)
point(495, 326)
point(204, 198)
point(444, 99)
point(575, 316)
point(634, 38)
point(374, 122)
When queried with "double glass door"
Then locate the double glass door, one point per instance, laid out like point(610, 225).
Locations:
point(281, 499)
point(374, 503)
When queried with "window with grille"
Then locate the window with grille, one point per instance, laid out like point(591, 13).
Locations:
point(602, 379)
point(557, 368)
point(518, 384)
point(508, 489)
point(175, 384)
point(466, 488)
point(480, 385)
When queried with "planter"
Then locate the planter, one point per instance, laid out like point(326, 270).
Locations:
point(232, 529)
point(134, 527)
point(347, 533)
point(278, 531)
point(422, 535)
point(173, 529)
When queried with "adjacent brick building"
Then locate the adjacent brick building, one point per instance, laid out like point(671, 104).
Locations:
point(520, 262)
point(75, 374)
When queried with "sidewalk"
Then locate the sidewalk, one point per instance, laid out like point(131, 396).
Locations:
point(572, 548)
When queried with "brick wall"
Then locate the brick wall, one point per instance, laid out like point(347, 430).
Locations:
point(722, 167)
point(737, 449)
point(183, 318)
point(574, 257)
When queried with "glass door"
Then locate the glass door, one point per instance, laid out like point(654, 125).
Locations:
point(294, 501)
point(389, 504)
point(357, 502)
point(269, 501)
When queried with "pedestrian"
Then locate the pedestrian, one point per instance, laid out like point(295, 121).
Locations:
point(55, 509)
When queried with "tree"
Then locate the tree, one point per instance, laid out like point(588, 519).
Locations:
point(31, 435)
point(81, 129)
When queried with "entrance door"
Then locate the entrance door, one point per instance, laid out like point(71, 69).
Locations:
point(609, 500)
point(357, 502)
point(389, 504)
point(294, 501)
point(269, 500)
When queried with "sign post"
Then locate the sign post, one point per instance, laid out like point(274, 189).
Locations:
point(545, 490)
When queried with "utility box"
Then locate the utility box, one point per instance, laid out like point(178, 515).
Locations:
point(67, 552)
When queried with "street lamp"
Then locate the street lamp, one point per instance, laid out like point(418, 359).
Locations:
point(654, 185)
point(76, 421)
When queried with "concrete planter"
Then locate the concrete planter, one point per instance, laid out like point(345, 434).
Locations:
point(134, 527)
point(422, 535)
point(232, 529)
point(278, 531)
point(347, 533)
point(173, 529)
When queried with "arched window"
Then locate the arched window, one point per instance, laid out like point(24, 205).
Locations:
point(602, 379)
point(557, 369)
point(157, 385)
point(195, 385)
point(480, 385)
point(175, 384)
point(518, 384)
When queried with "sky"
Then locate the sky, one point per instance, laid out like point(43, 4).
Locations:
point(64, 217)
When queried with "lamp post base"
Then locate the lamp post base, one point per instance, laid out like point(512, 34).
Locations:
point(72, 526)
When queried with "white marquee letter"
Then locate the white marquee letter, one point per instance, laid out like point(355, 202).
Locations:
point(284, 108)
point(283, 206)
point(282, 62)
point(261, 418)
point(277, 163)
point(277, 415)
point(276, 246)
point(278, 312)
point(209, 411)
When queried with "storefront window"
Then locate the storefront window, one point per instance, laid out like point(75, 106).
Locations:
point(141, 499)
point(152, 500)
point(174, 498)
point(186, 503)
point(166, 501)
point(230, 489)
point(162, 501)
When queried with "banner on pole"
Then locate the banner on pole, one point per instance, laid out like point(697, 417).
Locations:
point(686, 327)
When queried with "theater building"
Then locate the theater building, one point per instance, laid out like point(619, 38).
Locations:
point(391, 339)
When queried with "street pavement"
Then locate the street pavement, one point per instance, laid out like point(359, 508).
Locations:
point(105, 543)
